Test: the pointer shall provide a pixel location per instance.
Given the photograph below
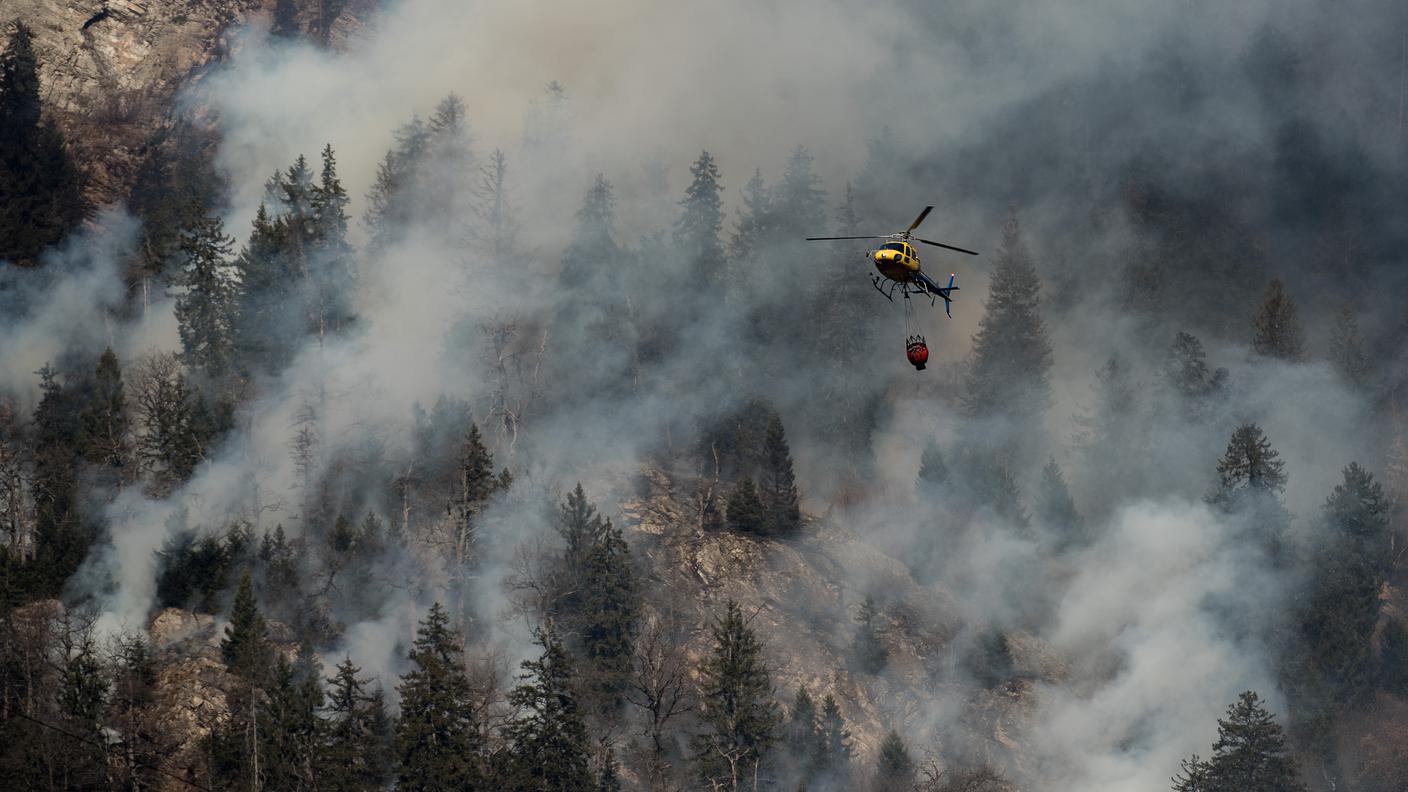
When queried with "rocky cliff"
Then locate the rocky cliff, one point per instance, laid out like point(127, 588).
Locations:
point(110, 70)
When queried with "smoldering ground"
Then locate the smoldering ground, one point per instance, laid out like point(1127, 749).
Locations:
point(1054, 110)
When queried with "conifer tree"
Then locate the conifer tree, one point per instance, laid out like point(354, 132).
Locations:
point(751, 232)
point(867, 645)
point(206, 306)
point(245, 647)
point(798, 202)
point(331, 266)
point(1393, 658)
point(781, 502)
point(746, 512)
point(737, 712)
point(894, 767)
point(548, 738)
point(445, 183)
point(1055, 509)
point(834, 748)
point(83, 689)
point(1250, 468)
point(42, 188)
point(1186, 374)
point(1278, 333)
point(285, 24)
point(1342, 611)
point(355, 753)
point(1347, 352)
point(608, 780)
point(581, 528)
point(800, 731)
point(437, 742)
point(1011, 360)
point(1249, 755)
point(697, 229)
point(103, 424)
point(1109, 429)
point(610, 606)
point(61, 542)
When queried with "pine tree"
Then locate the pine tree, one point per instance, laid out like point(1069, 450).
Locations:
point(800, 731)
point(1109, 428)
point(1011, 364)
point(1278, 333)
point(475, 483)
point(611, 603)
point(437, 741)
point(61, 540)
point(781, 502)
point(548, 738)
point(1186, 374)
point(1249, 468)
point(581, 529)
point(833, 756)
point(894, 767)
point(290, 727)
point(245, 647)
point(737, 712)
point(697, 229)
point(1249, 755)
point(445, 183)
point(330, 265)
point(43, 189)
point(83, 690)
point(933, 474)
point(1342, 611)
point(867, 646)
point(355, 752)
point(1055, 509)
point(797, 202)
point(1347, 352)
point(206, 306)
point(104, 433)
point(746, 512)
point(751, 232)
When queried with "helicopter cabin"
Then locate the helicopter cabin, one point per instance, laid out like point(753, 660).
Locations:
point(896, 260)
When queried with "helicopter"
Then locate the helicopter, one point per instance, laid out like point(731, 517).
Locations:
point(898, 262)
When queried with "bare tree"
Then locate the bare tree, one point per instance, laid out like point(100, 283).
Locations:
point(168, 445)
point(16, 509)
point(661, 687)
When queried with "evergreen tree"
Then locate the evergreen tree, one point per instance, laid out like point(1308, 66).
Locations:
point(610, 606)
point(800, 731)
point(1340, 615)
point(290, 728)
point(475, 483)
point(737, 712)
point(61, 540)
point(697, 229)
point(1348, 353)
point(83, 689)
point(933, 474)
point(206, 306)
point(331, 267)
point(1278, 333)
point(445, 183)
point(103, 422)
point(990, 659)
point(867, 645)
point(42, 188)
point(581, 529)
point(245, 647)
point(781, 502)
point(260, 328)
point(608, 781)
point(746, 513)
point(751, 232)
point(1186, 373)
point(1110, 430)
point(1250, 468)
point(355, 754)
point(437, 741)
point(834, 749)
point(797, 202)
point(894, 767)
point(1249, 755)
point(1010, 372)
point(1055, 509)
point(548, 738)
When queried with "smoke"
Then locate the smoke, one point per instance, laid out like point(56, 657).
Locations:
point(986, 110)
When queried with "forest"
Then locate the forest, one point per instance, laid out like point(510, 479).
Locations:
point(394, 428)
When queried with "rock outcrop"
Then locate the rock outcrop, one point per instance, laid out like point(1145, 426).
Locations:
point(110, 70)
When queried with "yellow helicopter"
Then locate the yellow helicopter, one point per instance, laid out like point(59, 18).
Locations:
point(898, 261)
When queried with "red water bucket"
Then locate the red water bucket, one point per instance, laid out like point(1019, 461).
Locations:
point(917, 351)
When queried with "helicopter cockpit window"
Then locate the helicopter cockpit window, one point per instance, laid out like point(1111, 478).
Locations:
point(893, 246)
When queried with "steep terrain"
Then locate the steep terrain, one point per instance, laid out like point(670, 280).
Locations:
point(111, 70)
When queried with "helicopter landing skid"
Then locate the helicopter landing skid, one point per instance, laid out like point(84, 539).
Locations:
point(906, 289)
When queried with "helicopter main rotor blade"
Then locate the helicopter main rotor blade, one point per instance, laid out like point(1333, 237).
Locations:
point(919, 219)
point(815, 239)
point(949, 247)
